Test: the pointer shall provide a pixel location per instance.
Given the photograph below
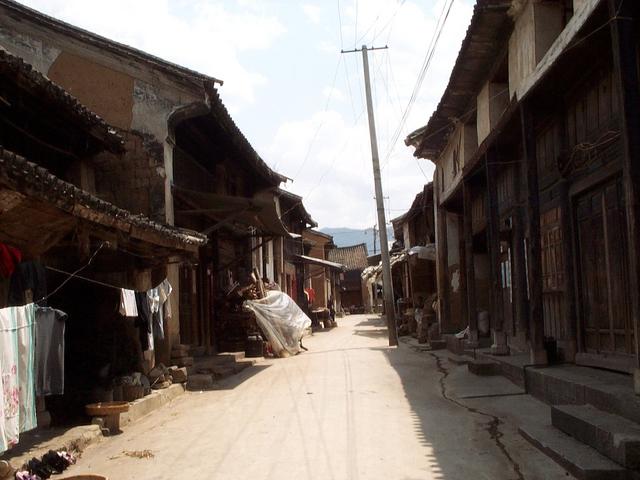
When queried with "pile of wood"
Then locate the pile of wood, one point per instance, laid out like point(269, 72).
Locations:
point(254, 290)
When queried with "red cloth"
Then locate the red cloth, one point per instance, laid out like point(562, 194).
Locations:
point(312, 294)
point(9, 258)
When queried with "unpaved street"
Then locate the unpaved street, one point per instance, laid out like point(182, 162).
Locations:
point(350, 408)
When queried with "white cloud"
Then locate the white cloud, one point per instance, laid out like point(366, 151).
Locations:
point(312, 12)
point(341, 151)
point(334, 94)
point(205, 36)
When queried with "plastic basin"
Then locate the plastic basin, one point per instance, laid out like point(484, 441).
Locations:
point(106, 409)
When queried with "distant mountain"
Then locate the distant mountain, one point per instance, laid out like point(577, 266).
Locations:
point(344, 237)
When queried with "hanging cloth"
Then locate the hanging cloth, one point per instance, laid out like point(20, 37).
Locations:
point(17, 397)
point(128, 306)
point(49, 353)
point(9, 258)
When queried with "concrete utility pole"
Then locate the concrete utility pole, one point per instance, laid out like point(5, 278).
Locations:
point(389, 306)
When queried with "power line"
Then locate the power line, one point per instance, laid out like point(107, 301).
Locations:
point(444, 15)
point(322, 120)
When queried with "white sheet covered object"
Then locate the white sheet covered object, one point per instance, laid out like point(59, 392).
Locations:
point(281, 320)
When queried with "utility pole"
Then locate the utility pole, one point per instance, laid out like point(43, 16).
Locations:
point(389, 306)
point(375, 233)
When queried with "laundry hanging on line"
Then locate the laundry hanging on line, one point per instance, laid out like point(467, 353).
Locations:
point(49, 354)
point(17, 359)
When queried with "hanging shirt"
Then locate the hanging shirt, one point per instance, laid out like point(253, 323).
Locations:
point(17, 396)
point(143, 322)
point(128, 305)
point(49, 353)
point(164, 310)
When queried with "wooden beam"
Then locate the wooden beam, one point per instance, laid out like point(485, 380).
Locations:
point(534, 252)
point(493, 241)
point(625, 60)
point(442, 269)
point(469, 265)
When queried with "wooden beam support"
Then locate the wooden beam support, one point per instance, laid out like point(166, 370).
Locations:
point(519, 275)
point(469, 265)
point(534, 252)
point(499, 346)
point(625, 60)
point(442, 268)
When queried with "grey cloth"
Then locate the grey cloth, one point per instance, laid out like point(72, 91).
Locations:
point(49, 355)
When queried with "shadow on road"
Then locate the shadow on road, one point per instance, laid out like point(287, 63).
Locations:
point(235, 380)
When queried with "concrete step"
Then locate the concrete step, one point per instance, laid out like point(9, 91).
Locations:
point(482, 367)
point(459, 359)
point(581, 461)
point(615, 437)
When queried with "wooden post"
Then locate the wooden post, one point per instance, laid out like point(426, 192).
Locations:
point(534, 253)
point(568, 286)
point(519, 276)
point(442, 270)
point(470, 270)
point(625, 60)
point(499, 346)
point(464, 307)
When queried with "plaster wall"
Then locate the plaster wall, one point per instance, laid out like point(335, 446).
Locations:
point(462, 145)
point(537, 25)
point(492, 101)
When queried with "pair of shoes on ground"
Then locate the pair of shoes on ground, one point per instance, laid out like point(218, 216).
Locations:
point(51, 463)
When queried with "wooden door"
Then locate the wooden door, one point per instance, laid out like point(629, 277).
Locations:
point(605, 319)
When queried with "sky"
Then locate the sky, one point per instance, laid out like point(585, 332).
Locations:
point(298, 100)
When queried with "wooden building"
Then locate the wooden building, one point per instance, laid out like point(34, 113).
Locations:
point(83, 248)
point(183, 162)
point(415, 237)
point(536, 143)
point(353, 291)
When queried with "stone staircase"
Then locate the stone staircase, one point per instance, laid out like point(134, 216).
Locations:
point(595, 415)
point(206, 371)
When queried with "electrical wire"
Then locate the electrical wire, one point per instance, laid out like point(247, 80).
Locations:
point(444, 15)
point(322, 120)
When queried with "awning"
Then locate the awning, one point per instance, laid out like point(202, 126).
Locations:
point(38, 209)
point(259, 211)
point(319, 261)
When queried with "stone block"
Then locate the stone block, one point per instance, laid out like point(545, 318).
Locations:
point(483, 368)
point(615, 437)
point(581, 461)
point(179, 375)
point(200, 382)
point(184, 361)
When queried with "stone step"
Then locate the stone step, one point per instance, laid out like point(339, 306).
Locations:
point(200, 382)
point(483, 367)
point(183, 362)
point(613, 436)
point(581, 461)
point(459, 359)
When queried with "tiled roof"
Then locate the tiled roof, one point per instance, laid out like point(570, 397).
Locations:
point(290, 202)
point(26, 77)
point(32, 180)
point(353, 257)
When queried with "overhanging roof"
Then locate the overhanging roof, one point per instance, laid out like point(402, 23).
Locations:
point(293, 203)
point(480, 47)
point(27, 78)
point(259, 211)
point(319, 261)
point(30, 195)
